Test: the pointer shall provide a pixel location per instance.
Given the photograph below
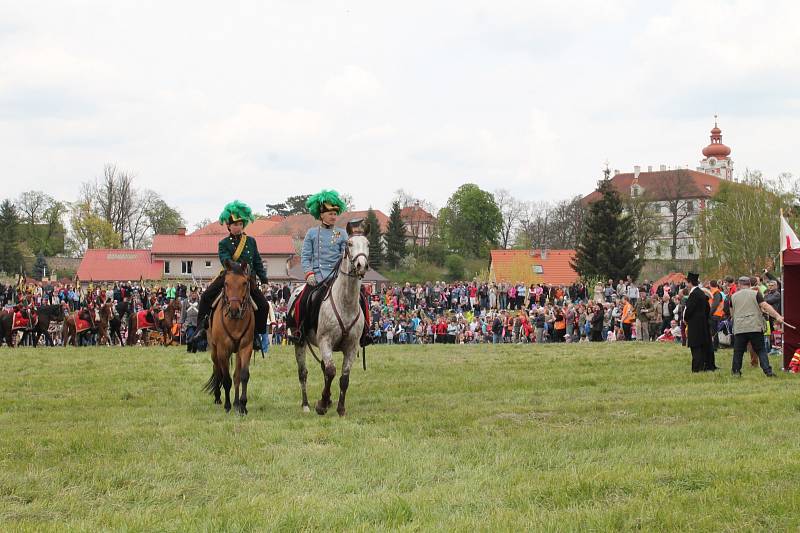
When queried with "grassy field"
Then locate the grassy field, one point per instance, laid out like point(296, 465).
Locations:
point(562, 437)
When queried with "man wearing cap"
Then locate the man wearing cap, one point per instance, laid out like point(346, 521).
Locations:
point(323, 248)
point(747, 306)
point(241, 248)
point(696, 315)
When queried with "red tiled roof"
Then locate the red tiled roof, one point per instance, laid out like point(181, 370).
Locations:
point(257, 227)
point(209, 244)
point(119, 265)
point(662, 184)
point(416, 214)
point(673, 277)
point(556, 267)
point(296, 226)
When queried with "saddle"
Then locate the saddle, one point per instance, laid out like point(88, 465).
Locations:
point(81, 325)
point(144, 320)
point(22, 322)
point(305, 311)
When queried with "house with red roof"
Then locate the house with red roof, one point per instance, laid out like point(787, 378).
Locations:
point(533, 266)
point(195, 256)
point(420, 225)
point(105, 265)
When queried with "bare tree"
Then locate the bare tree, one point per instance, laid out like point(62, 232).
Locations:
point(32, 206)
point(511, 211)
point(646, 219)
point(678, 195)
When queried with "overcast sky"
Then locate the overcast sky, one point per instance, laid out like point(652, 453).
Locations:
point(206, 101)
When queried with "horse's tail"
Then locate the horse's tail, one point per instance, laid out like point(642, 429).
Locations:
point(213, 383)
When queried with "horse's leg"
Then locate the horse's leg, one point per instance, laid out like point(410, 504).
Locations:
point(225, 370)
point(344, 380)
point(243, 375)
point(329, 371)
point(302, 373)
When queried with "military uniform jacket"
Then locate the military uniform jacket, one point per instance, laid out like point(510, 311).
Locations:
point(250, 255)
point(322, 249)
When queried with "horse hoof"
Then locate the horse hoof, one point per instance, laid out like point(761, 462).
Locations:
point(341, 411)
point(218, 401)
point(227, 408)
point(320, 408)
point(306, 409)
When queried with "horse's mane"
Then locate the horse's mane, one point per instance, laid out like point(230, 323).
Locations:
point(235, 268)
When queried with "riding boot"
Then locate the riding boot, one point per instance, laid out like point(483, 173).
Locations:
point(366, 338)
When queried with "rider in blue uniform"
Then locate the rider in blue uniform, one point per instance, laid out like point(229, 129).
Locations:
point(323, 248)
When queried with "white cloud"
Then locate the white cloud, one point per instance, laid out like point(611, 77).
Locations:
point(286, 98)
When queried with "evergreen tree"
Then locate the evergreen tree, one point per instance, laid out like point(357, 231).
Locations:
point(375, 244)
point(395, 237)
point(607, 248)
point(10, 256)
point(40, 267)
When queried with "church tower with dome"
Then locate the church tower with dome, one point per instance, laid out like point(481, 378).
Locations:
point(716, 156)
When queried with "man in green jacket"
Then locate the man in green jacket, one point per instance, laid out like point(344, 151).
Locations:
point(241, 248)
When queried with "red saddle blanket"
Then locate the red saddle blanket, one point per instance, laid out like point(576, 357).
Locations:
point(142, 322)
point(21, 322)
point(81, 325)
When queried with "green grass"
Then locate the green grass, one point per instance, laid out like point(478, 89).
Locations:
point(565, 437)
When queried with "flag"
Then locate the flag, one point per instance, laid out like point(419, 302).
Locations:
point(789, 240)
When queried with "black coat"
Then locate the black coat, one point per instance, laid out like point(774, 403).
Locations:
point(697, 315)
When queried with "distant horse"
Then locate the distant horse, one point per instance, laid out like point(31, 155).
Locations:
point(231, 331)
point(6, 325)
point(69, 333)
point(340, 322)
point(105, 313)
point(115, 323)
point(162, 321)
point(46, 314)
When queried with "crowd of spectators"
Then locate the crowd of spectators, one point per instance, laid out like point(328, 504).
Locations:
point(466, 312)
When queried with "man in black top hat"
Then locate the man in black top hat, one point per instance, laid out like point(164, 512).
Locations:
point(697, 315)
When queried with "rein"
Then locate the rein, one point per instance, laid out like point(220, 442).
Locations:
point(226, 302)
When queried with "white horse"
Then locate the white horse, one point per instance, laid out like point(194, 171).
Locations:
point(340, 323)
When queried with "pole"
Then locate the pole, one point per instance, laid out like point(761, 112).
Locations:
point(783, 309)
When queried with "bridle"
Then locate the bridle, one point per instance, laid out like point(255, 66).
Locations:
point(244, 302)
point(227, 311)
point(353, 273)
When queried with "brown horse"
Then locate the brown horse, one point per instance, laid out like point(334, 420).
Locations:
point(231, 331)
point(69, 330)
point(162, 324)
point(106, 312)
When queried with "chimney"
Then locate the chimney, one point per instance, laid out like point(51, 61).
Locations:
point(649, 168)
point(544, 253)
point(662, 168)
point(616, 171)
point(181, 231)
point(636, 170)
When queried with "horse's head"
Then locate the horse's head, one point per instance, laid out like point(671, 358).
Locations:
point(236, 293)
point(357, 252)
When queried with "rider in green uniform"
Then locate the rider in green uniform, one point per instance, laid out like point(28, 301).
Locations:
point(238, 247)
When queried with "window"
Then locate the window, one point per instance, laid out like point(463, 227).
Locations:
point(690, 226)
point(186, 267)
point(537, 269)
point(166, 267)
point(208, 264)
point(690, 249)
point(658, 251)
point(690, 206)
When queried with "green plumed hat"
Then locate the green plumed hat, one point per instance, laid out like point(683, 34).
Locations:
point(325, 201)
point(236, 211)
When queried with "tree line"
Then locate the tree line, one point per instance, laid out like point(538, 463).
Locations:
point(109, 212)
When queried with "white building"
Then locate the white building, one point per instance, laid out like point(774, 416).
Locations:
point(679, 195)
